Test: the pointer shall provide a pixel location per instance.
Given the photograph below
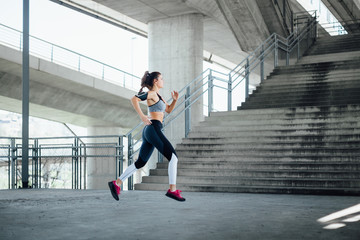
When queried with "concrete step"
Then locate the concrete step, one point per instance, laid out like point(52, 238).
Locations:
point(302, 100)
point(245, 106)
point(338, 38)
point(325, 140)
point(334, 49)
point(255, 145)
point(314, 88)
point(238, 121)
point(330, 57)
point(250, 189)
point(320, 118)
point(307, 70)
point(283, 80)
point(284, 112)
point(272, 158)
point(280, 134)
point(325, 95)
point(288, 79)
point(237, 164)
point(346, 67)
point(294, 153)
point(284, 182)
point(260, 173)
point(279, 127)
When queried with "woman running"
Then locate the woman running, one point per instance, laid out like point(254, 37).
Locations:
point(152, 137)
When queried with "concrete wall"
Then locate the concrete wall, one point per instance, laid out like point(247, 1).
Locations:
point(176, 50)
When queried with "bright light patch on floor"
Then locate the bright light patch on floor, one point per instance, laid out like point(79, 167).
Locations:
point(334, 226)
point(352, 219)
point(339, 214)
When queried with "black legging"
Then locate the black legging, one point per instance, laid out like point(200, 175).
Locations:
point(153, 137)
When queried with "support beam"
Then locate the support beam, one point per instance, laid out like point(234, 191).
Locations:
point(25, 96)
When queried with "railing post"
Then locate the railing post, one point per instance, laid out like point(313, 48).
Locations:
point(52, 53)
point(262, 64)
point(187, 112)
point(120, 158)
point(298, 48)
point(230, 93)
point(315, 28)
point(130, 160)
point(39, 158)
point(210, 92)
point(276, 52)
point(75, 164)
point(79, 63)
point(9, 166)
point(247, 73)
point(103, 72)
point(13, 159)
point(35, 160)
point(287, 55)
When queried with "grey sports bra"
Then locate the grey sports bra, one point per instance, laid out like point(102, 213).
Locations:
point(159, 106)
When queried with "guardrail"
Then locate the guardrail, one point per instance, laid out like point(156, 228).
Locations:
point(53, 160)
point(11, 37)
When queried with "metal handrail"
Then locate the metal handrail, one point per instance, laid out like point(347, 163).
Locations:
point(103, 67)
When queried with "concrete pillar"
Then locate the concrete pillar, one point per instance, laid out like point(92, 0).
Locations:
point(176, 50)
point(100, 170)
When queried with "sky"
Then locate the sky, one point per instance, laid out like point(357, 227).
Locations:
point(81, 33)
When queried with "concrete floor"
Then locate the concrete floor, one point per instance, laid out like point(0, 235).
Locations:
point(94, 214)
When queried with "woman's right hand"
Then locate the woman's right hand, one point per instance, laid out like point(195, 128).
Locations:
point(145, 120)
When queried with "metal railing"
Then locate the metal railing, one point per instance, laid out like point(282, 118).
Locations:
point(286, 13)
point(11, 37)
point(275, 48)
point(53, 161)
point(342, 27)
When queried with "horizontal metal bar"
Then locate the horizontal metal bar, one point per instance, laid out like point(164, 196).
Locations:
point(221, 87)
point(221, 79)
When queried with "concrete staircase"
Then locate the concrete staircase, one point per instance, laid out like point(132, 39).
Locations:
point(299, 132)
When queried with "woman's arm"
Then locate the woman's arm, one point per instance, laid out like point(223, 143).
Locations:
point(175, 96)
point(135, 101)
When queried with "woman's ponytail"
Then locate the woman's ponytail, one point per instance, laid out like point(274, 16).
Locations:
point(148, 80)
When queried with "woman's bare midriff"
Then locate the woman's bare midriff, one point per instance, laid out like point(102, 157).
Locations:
point(157, 116)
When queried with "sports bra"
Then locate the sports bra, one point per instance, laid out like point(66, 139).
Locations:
point(159, 106)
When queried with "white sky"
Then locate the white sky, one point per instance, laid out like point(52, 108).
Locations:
point(86, 35)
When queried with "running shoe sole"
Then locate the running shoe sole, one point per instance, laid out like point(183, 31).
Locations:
point(113, 191)
point(174, 197)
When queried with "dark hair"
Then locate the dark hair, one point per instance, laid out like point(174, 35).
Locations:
point(148, 80)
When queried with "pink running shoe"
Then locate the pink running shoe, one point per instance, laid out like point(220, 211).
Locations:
point(114, 189)
point(175, 195)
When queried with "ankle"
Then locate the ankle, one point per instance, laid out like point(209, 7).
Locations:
point(118, 182)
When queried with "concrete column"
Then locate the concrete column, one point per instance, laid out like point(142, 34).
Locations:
point(100, 170)
point(176, 50)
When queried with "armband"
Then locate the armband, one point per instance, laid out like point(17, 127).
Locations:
point(142, 96)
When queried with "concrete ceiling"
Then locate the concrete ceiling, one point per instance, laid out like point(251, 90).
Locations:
point(219, 40)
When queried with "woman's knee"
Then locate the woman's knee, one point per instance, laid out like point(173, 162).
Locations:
point(140, 163)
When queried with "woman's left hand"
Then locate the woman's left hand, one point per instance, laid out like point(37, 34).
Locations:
point(175, 95)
